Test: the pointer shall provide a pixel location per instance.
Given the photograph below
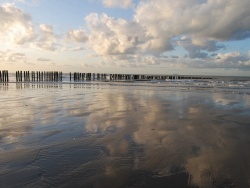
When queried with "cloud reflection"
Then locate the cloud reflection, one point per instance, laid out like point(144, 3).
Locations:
point(130, 134)
point(177, 132)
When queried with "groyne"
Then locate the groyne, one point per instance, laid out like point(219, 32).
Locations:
point(4, 76)
point(58, 76)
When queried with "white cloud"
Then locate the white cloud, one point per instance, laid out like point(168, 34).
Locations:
point(200, 24)
point(16, 26)
point(47, 39)
point(110, 36)
point(158, 26)
point(118, 3)
point(77, 35)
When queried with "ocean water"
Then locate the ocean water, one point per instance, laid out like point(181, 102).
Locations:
point(173, 133)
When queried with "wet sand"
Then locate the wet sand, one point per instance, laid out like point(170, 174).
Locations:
point(122, 136)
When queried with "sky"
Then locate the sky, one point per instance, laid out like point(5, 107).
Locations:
point(186, 37)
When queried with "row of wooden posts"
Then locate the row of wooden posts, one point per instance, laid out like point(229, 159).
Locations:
point(38, 76)
point(56, 76)
point(4, 76)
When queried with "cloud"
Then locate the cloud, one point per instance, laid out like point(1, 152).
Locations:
point(230, 60)
point(211, 19)
point(47, 39)
point(43, 59)
point(77, 35)
point(16, 26)
point(118, 3)
point(179, 133)
point(233, 60)
point(204, 22)
point(10, 57)
point(157, 24)
point(77, 48)
point(110, 36)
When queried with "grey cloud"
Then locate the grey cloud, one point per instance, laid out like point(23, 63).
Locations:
point(43, 59)
point(232, 60)
point(239, 35)
point(11, 57)
point(79, 48)
point(196, 53)
point(198, 48)
point(213, 55)
point(174, 56)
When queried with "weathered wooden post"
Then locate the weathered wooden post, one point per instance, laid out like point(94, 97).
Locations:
point(34, 76)
point(7, 76)
point(24, 76)
point(16, 76)
point(3, 75)
point(21, 75)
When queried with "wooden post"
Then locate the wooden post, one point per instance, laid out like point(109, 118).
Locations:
point(3, 75)
point(16, 76)
point(21, 74)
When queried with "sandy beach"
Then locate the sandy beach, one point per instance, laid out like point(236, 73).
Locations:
point(91, 135)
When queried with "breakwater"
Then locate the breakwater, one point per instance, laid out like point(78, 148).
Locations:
point(57, 76)
point(4, 76)
point(38, 76)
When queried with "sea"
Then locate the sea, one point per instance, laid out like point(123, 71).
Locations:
point(150, 133)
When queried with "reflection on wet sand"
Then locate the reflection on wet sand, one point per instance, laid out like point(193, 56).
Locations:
point(123, 137)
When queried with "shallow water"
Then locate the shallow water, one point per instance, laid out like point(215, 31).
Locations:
point(116, 135)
